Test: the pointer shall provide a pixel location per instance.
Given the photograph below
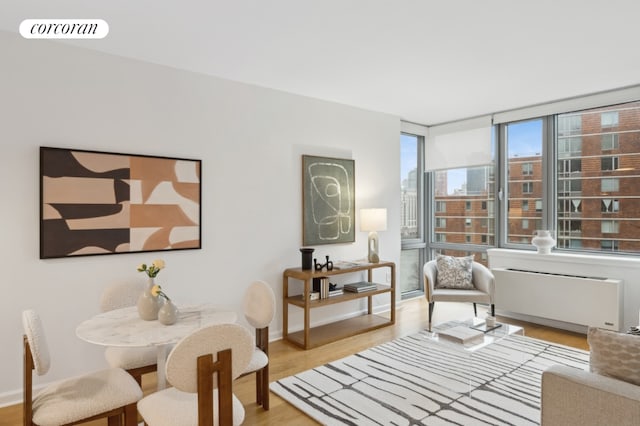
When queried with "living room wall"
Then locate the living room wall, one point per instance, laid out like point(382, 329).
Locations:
point(250, 141)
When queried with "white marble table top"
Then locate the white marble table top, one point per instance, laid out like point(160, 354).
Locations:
point(123, 327)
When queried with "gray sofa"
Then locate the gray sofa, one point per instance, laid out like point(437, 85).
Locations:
point(575, 397)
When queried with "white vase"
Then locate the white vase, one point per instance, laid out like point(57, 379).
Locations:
point(543, 240)
point(168, 313)
point(148, 304)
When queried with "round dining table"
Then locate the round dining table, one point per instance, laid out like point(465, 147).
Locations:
point(124, 328)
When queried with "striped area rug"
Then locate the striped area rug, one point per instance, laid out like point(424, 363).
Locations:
point(415, 381)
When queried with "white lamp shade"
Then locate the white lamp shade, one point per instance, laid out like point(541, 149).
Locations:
point(373, 220)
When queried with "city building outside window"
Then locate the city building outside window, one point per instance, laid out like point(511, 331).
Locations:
point(412, 255)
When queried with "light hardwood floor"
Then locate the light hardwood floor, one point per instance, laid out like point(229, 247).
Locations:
point(287, 360)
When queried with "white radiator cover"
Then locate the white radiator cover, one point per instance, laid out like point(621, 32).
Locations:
point(587, 301)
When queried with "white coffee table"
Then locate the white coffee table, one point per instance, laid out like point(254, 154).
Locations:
point(490, 337)
point(468, 351)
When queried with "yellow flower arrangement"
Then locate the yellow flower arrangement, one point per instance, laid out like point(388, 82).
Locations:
point(152, 270)
point(156, 291)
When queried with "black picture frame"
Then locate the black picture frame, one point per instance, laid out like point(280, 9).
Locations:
point(98, 203)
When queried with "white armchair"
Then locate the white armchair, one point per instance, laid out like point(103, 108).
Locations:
point(482, 292)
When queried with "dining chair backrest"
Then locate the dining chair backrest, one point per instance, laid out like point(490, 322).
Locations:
point(259, 304)
point(37, 341)
point(182, 363)
point(121, 295)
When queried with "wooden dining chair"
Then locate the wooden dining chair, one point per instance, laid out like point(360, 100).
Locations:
point(110, 393)
point(259, 310)
point(201, 368)
point(137, 361)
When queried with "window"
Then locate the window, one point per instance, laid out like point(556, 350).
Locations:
point(609, 119)
point(609, 141)
point(412, 255)
point(610, 226)
point(569, 147)
point(609, 163)
point(610, 206)
point(569, 186)
point(610, 185)
point(441, 222)
point(569, 125)
point(575, 173)
point(567, 167)
point(465, 191)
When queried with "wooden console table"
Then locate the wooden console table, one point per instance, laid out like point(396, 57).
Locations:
point(310, 337)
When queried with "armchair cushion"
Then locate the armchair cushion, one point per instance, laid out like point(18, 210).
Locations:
point(614, 354)
point(454, 272)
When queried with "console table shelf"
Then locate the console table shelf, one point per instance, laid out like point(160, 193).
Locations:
point(310, 337)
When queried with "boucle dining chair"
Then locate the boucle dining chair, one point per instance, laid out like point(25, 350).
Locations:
point(201, 368)
point(110, 393)
point(259, 310)
point(444, 282)
point(137, 361)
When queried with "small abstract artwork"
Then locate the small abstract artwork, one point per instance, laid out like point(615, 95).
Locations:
point(94, 203)
point(328, 198)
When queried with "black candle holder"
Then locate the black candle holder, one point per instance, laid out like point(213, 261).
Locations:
point(320, 266)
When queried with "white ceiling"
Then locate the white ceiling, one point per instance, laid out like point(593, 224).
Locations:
point(425, 61)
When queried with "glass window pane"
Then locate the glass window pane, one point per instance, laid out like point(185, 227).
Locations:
point(410, 270)
point(607, 174)
point(461, 199)
point(409, 186)
point(524, 181)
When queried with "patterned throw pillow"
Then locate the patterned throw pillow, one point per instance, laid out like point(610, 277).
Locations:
point(454, 272)
point(615, 355)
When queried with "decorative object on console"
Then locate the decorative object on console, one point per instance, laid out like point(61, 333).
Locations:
point(320, 266)
point(372, 221)
point(148, 303)
point(307, 257)
point(544, 240)
point(328, 200)
point(94, 203)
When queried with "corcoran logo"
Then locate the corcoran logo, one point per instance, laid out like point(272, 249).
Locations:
point(64, 28)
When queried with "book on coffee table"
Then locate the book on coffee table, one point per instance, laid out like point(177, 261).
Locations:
point(461, 334)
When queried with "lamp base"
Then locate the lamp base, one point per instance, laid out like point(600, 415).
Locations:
point(373, 248)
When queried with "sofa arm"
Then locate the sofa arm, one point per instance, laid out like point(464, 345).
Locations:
point(575, 397)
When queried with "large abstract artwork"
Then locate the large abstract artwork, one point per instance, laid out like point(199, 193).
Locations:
point(328, 198)
point(104, 203)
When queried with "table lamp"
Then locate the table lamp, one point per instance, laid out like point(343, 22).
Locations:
point(373, 220)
